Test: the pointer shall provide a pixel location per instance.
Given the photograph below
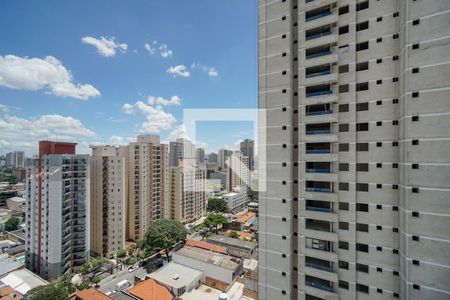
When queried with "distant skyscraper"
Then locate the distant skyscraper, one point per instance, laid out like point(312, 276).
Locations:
point(247, 148)
point(222, 158)
point(147, 168)
point(108, 201)
point(187, 186)
point(212, 158)
point(355, 97)
point(238, 172)
point(57, 222)
point(181, 148)
point(15, 159)
point(200, 155)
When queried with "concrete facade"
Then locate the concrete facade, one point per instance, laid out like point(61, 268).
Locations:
point(238, 171)
point(247, 148)
point(354, 140)
point(108, 199)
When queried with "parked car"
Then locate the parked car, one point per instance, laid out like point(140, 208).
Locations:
point(133, 268)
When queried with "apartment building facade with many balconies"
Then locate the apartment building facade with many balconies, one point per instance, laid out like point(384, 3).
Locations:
point(108, 201)
point(356, 136)
point(57, 210)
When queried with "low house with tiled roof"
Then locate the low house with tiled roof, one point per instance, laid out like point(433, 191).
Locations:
point(90, 294)
point(150, 290)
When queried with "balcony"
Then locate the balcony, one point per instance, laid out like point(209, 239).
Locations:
point(320, 206)
point(318, 225)
point(318, 35)
point(318, 283)
point(318, 167)
point(321, 128)
point(318, 148)
point(318, 90)
point(318, 264)
point(318, 13)
point(319, 186)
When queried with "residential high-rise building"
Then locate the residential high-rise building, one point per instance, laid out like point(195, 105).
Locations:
point(147, 166)
point(187, 185)
point(108, 201)
point(180, 149)
point(247, 148)
point(222, 158)
point(238, 172)
point(57, 210)
point(200, 155)
point(356, 126)
point(15, 159)
point(212, 158)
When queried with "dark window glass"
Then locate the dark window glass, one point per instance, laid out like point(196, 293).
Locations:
point(362, 5)
point(362, 106)
point(362, 126)
point(363, 86)
point(362, 46)
point(362, 26)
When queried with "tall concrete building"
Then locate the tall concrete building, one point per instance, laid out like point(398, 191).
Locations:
point(15, 159)
point(108, 201)
point(355, 144)
point(180, 149)
point(187, 191)
point(200, 155)
point(212, 158)
point(222, 158)
point(57, 210)
point(238, 172)
point(248, 149)
point(147, 167)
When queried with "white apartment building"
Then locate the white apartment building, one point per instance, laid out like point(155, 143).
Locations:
point(147, 170)
point(355, 143)
point(222, 158)
point(57, 210)
point(108, 201)
point(237, 199)
point(187, 185)
point(15, 159)
point(200, 155)
point(238, 172)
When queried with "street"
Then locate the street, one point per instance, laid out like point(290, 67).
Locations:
point(109, 283)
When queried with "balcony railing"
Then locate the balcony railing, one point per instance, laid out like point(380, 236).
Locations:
point(320, 93)
point(323, 53)
point(321, 209)
point(319, 112)
point(327, 72)
point(319, 286)
point(319, 35)
point(317, 151)
point(321, 15)
point(321, 131)
point(320, 190)
point(318, 170)
point(319, 267)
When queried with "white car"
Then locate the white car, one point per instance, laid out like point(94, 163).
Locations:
point(133, 268)
point(111, 293)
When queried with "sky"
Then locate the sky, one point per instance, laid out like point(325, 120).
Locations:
point(105, 71)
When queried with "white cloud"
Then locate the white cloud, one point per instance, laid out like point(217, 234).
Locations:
point(156, 118)
point(116, 140)
point(24, 133)
point(164, 50)
point(211, 71)
point(151, 48)
point(105, 46)
point(23, 73)
point(174, 100)
point(179, 70)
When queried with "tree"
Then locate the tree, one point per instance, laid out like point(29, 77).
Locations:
point(48, 292)
point(215, 220)
point(96, 280)
point(131, 261)
point(121, 253)
point(233, 234)
point(96, 262)
point(130, 249)
point(85, 268)
point(217, 204)
point(252, 195)
point(12, 224)
point(164, 234)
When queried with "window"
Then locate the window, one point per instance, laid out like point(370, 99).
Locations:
point(379, 19)
point(415, 46)
point(415, 70)
point(343, 284)
point(362, 247)
point(283, 36)
point(362, 126)
point(343, 29)
point(283, 109)
point(343, 225)
point(395, 36)
point(343, 10)
point(415, 166)
point(283, 54)
point(362, 187)
point(395, 57)
point(362, 66)
point(343, 205)
point(395, 165)
point(343, 88)
point(284, 91)
point(415, 142)
point(363, 86)
point(379, 61)
point(362, 268)
point(416, 286)
point(343, 107)
point(379, 123)
point(394, 144)
point(343, 186)
point(362, 106)
point(362, 5)
point(362, 46)
point(362, 167)
point(415, 238)
point(343, 167)
point(343, 127)
point(362, 207)
point(415, 214)
point(394, 101)
point(395, 79)
point(343, 265)
point(362, 288)
point(343, 69)
point(283, 73)
point(394, 208)
point(379, 227)
point(362, 227)
point(379, 186)
point(343, 245)
point(362, 147)
point(379, 248)
point(343, 147)
point(395, 15)
point(379, 40)
point(362, 26)
point(283, 18)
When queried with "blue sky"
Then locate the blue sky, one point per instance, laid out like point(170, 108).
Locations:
point(105, 71)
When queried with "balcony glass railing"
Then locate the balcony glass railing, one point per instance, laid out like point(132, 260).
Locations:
point(319, 93)
point(320, 190)
point(327, 72)
point(321, 209)
point(322, 131)
point(307, 1)
point(321, 15)
point(319, 35)
point(319, 112)
point(319, 286)
point(317, 151)
point(319, 267)
point(327, 52)
point(318, 170)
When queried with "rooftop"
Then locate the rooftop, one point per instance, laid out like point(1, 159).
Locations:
point(205, 245)
point(8, 264)
point(218, 259)
point(90, 294)
point(169, 272)
point(23, 280)
point(247, 216)
point(231, 241)
point(9, 293)
point(150, 290)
